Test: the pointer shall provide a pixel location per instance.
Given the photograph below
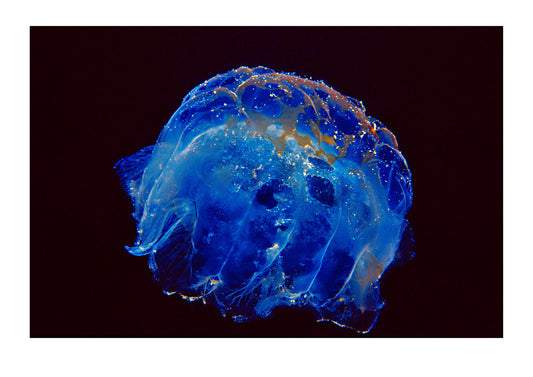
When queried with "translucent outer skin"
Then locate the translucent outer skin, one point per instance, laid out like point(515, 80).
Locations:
point(267, 189)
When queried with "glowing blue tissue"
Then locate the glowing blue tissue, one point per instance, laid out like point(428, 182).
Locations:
point(267, 189)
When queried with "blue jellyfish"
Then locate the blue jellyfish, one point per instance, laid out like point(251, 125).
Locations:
point(267, 189)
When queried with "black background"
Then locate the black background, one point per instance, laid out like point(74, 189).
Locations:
point(100, 94)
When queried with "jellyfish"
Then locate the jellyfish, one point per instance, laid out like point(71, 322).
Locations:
point(267, 189)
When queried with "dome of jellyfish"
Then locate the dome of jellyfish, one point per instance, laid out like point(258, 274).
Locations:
point(267, 189)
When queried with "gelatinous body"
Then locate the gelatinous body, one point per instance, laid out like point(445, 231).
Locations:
point(267, 189)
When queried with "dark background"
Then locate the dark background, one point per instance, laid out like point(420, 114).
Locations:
point(100, 94)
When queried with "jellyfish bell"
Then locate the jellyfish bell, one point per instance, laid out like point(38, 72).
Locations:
point(266, 189)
